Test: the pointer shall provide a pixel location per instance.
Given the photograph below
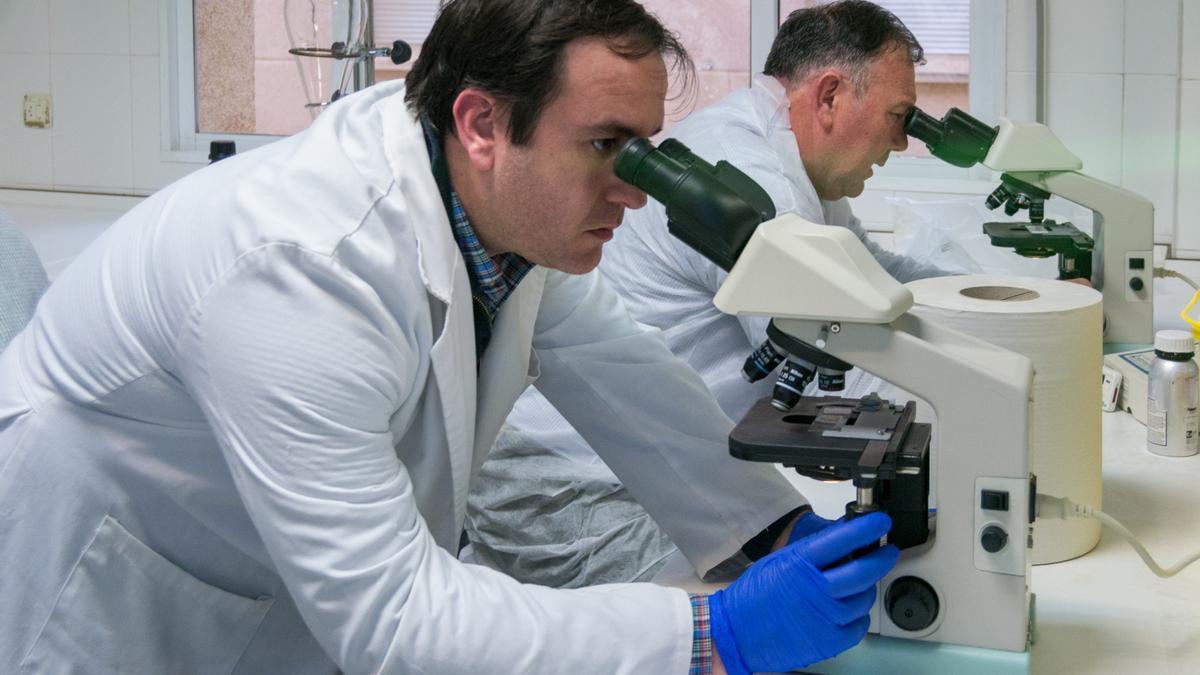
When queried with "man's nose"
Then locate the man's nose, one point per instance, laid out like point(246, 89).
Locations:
point(626, 195)
point(900, 141)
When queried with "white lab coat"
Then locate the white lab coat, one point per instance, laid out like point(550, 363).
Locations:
point(239, 432)
point(667, 284)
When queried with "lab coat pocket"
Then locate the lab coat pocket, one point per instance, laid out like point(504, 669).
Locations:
point(127, 609)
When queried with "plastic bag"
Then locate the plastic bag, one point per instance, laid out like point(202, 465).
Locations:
point(948, 233)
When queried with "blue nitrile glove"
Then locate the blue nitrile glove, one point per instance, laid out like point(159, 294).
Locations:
point(808, 523)
point(795, 607)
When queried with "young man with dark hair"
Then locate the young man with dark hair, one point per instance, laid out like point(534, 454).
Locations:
point(238, 433)
point(838, 81)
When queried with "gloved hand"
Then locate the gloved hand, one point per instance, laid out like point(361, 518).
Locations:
point(807, 524)
point(795, 607)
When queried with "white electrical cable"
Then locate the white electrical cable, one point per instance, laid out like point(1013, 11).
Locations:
point(1162, 272)
point(1051, 507)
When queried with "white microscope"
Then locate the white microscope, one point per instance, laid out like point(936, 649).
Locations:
point(1034, 164)
point(960, 591)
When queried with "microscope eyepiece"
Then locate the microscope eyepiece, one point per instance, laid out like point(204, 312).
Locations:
point(712, 208)
point(957, 138)
point(640, 164)
point(923, 127)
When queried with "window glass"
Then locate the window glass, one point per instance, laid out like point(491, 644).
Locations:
point(247, 82)
point(408, 20)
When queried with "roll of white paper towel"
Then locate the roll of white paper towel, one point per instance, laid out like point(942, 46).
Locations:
point(1057, 325)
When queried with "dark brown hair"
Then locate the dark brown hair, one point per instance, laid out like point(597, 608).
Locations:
point(513, 49)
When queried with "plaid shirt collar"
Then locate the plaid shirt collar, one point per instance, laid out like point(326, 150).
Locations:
point(492, 280)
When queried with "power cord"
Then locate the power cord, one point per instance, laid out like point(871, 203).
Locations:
point(1163, 272)
point(1061, 508)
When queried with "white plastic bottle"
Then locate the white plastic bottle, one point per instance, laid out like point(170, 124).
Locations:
point(1172, 419)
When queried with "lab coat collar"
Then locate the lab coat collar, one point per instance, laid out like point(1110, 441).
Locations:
point(772, 99)
point(438, 257)
point(508, 364)
point(444, 274)
point(771, 103)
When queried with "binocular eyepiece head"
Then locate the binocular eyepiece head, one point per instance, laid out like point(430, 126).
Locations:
point(957, 138)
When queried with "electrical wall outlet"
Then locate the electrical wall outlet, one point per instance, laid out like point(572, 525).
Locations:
point(36, 110)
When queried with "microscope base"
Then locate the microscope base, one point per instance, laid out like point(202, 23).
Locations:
point(897, 656)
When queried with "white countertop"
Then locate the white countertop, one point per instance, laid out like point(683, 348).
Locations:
point(1104, 613)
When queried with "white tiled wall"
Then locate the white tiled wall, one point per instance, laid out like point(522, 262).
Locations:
point(1151, 117)
point(1146, 25)
point(1086, 36)
point(1190, 43)
point(1084, 110)
point(25, 154)
point(1187, 226)
point(91, 27)
point(1187, 231)
point(92, 136)
point(99, 61)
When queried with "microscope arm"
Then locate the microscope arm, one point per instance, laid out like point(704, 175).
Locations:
point(1123, 262)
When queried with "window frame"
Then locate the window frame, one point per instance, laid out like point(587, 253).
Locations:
point(180, 141)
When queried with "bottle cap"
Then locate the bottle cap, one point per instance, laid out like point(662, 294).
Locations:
point(1173, 342)
point(218, 150)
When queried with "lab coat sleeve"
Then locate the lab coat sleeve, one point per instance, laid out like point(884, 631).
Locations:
point(653, 421)
point(299, 369)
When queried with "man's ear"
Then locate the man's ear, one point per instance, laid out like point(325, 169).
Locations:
point(477, 126)
point(829, 92)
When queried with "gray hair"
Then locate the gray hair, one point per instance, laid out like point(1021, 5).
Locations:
point(847, 34)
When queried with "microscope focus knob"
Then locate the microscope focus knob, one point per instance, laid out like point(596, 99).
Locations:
point(1136, 283)
point(911, 603)
point(993, 538)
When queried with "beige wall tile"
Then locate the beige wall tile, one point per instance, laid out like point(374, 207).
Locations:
point(224, 73)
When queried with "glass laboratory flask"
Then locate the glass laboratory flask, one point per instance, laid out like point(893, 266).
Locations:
point(326, 38)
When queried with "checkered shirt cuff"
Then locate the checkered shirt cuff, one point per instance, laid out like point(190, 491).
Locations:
point(702, 644)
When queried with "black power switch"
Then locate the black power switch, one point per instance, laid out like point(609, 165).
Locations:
point(993, 500)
